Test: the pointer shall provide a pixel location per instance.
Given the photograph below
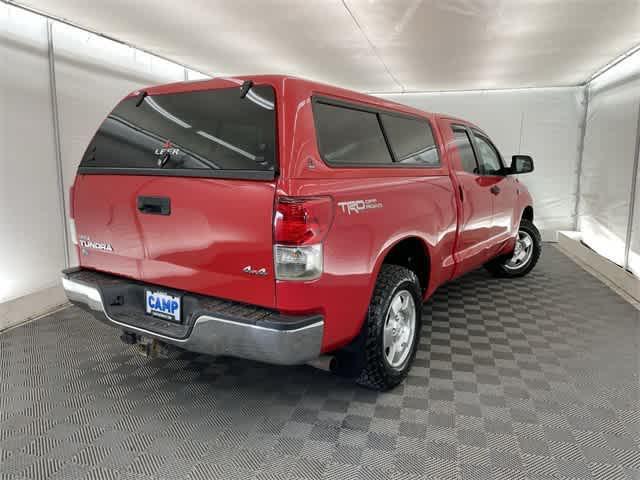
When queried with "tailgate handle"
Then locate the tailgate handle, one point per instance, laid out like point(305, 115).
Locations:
point(154, 205)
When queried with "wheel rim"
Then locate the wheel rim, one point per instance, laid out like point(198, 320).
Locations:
point(399, 328)
point(522, 253)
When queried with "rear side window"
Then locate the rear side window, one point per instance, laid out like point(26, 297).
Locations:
point(411, 140)
point(349, 137)
point(465, 150)
point(207, 132)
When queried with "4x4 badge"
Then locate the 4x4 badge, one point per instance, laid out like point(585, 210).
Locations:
point(260, 272)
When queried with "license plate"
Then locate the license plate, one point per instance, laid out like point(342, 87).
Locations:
point(163, 305)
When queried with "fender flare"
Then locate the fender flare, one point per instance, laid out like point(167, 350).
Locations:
point(389, 246)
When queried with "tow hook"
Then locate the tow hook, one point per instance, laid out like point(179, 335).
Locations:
point(129, 338)
point(148, 347)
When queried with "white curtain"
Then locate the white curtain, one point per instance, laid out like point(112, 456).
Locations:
point(31, 235)
point(193, 75)
point(634, 250)
point(543, 123)
point(93, 74)
point(608, 162)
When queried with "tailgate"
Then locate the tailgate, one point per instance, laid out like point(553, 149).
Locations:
point(178, 190)
point(214, 230)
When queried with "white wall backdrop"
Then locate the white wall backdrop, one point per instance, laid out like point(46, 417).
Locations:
point(544, 123)
point(91, 74)
point(31, 245)
point(608, 165)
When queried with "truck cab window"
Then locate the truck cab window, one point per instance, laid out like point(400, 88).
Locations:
point(467, 157)
point(489, 158)
point(350, 137)
point(411, 140)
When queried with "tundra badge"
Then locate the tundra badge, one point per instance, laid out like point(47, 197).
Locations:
point(86, 242)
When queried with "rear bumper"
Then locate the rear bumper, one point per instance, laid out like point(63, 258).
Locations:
point(213, 326)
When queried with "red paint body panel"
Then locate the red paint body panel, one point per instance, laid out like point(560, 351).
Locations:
point(218, 226)
point(356, 243)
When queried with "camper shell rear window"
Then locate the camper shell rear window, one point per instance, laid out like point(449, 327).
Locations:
point(208, 133)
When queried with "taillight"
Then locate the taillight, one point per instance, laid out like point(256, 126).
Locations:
point(298, 263)
point(301, 221)
point(300, 225)
point(71, 194)
point(73, 236)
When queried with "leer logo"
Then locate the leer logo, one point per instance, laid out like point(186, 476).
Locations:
point(167, 148)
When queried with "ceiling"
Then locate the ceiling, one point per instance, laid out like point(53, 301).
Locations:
point(375, 45)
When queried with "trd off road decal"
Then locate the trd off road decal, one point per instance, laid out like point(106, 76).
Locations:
point(357, 206)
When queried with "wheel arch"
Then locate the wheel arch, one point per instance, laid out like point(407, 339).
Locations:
point(411, 252)
point(527, 213)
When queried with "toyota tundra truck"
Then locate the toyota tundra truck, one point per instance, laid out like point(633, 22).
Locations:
point(277, 219)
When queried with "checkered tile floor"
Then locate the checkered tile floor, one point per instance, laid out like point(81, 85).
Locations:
point(532, 378)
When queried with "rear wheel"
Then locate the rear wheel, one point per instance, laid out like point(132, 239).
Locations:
point(392, 329)
point(525, 255)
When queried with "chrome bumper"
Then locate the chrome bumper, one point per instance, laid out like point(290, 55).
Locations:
point(283, 344)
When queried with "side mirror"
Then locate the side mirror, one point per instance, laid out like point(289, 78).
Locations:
point(521, 164)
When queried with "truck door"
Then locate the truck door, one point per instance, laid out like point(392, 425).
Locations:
point(502, 187)
point(476, 202)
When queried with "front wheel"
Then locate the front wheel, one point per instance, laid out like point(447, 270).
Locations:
point(392, 329)
point(525, 255)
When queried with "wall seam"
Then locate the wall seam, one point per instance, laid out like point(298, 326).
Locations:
point(473, 90)
point(616, 61)
point(521, 131)
point(53, 90)
point(373, 47)
point(583, 128)
point(632, 195)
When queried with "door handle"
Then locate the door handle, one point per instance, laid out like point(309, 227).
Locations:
point(495, 190)
point(154, 205)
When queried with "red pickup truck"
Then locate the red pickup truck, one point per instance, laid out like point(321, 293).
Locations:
point(277, 219)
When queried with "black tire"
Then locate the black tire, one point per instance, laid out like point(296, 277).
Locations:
point(499, 267)
point(376, 372)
